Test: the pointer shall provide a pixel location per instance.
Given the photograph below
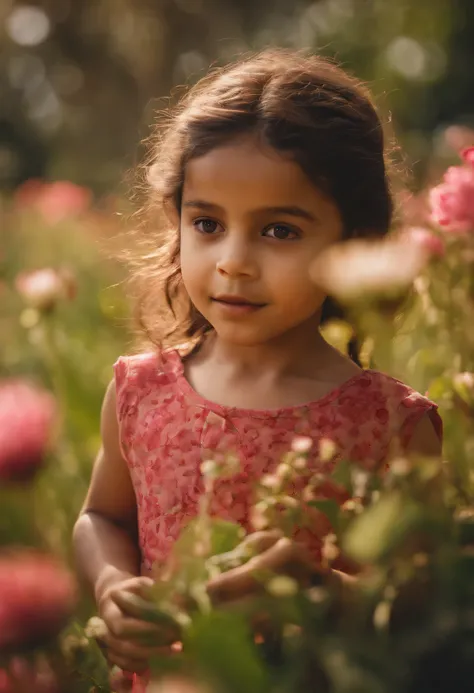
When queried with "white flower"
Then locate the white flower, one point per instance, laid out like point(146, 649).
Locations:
point(209, 469)
point(271, 481)
point(401, 466)
point(330, 551)
point(360, 479)
point(301, 444)
point(96, 628)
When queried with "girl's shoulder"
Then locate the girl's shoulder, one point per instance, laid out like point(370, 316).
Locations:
point(148, 369)
point(378, 386)
point(373, 396)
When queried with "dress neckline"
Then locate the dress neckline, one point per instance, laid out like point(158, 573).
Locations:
point(292, 410)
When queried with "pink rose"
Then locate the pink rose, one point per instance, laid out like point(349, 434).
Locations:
point(26, 420)
point(452, 202)
point(38, 597)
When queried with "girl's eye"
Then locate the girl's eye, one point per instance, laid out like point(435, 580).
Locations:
point(206, 226)
point(281, 232)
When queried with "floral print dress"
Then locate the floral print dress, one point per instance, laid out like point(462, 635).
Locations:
point(167, 430)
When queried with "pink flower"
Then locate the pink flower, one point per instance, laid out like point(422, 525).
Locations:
point(38, 597)
point(43, 288)
point(26, 419)
point(452, 202)
point(468, 155)
point(55, 201)
point(428, 240)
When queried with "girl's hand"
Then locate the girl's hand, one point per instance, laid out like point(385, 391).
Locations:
point(275, 554)
point(131, 641)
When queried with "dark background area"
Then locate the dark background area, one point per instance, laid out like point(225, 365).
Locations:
point(80, 79)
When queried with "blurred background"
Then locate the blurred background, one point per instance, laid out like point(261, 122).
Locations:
point(80, 84)
point(81, 79)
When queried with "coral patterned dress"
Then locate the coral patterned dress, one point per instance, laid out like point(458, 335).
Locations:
point(167, 430)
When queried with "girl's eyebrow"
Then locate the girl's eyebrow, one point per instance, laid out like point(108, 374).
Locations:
point(291, 210)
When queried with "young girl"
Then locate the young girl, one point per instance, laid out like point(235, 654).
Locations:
point(264, 165)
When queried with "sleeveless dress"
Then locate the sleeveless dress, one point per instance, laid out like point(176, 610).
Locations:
point(167, 430)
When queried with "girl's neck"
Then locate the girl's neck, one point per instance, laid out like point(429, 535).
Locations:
point(301, 352)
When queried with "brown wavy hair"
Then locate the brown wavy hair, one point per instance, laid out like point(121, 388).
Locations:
point(303, 106)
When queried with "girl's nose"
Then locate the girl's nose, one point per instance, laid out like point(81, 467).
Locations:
point(237, 260)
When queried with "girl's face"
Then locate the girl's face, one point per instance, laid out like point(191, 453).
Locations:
point(252, 223)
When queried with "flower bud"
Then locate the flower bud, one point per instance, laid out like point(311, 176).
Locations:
point(44, 288)
point(209, 469)
point(330, 551)
point(96, 628)
point(271, 482)
point(401, 466)
point(261, 515)
point(72, 645)
point(301, 444)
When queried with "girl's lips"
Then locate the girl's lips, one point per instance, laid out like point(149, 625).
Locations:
point(234, 305)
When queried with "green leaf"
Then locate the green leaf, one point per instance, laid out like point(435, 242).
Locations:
point(328, 507)
point(379, 529)
point(342, 474)
point(223, 648)
point(225, 536)
point(185, 543)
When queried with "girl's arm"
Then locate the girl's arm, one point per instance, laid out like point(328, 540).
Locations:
point(107, 555)
point(105, 534)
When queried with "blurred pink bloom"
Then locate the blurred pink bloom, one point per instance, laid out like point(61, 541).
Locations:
point(43, 288)
point(55, 201)
point(354, 269)
point(38, 597)
point(468, 155)
point(26, 420)
point(28, 192)
point(452, 202)
point(428, 240)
